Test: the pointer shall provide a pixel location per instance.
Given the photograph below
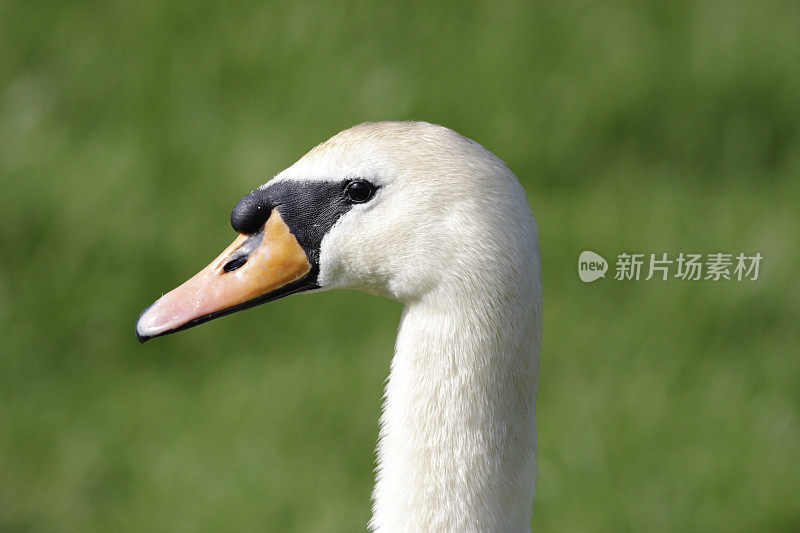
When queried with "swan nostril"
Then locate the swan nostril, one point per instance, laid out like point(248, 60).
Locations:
point(233, 264)
point(242, 253)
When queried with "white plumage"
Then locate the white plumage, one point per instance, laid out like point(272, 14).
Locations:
point(449, 235)
point(442, 226)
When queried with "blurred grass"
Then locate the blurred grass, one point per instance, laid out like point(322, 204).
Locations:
point(128, 131)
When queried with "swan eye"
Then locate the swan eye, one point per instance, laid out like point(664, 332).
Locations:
point(359, 191)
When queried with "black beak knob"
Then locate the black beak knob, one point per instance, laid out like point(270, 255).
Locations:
point(251, 212)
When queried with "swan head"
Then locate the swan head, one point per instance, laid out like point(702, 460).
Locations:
point(406, 210)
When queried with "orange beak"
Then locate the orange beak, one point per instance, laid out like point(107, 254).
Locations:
point(254, 269)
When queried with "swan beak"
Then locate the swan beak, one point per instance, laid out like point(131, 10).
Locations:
point(254, 269)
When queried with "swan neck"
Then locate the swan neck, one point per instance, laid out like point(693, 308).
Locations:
point(457, 447)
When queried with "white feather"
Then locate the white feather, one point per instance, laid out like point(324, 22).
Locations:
point(450, 235)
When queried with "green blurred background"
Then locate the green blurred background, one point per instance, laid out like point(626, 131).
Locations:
point(128, 130)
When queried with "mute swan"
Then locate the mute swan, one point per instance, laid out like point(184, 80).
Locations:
point(414, 212)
